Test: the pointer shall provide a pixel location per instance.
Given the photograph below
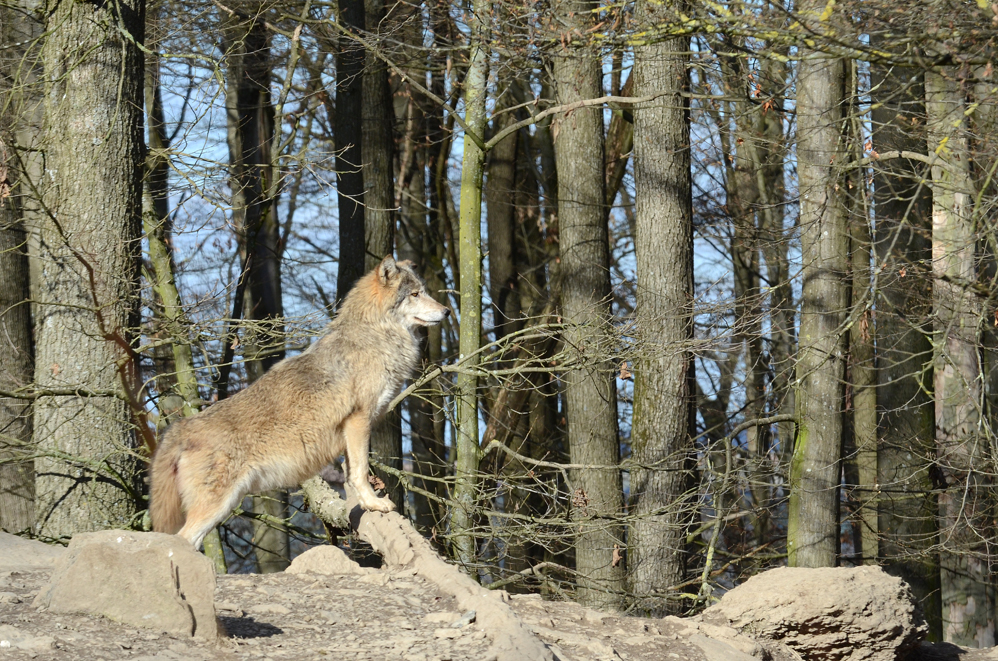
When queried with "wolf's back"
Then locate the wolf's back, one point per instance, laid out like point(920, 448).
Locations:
point(165, 506)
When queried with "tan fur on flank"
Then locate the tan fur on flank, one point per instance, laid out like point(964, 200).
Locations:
point(304, 413)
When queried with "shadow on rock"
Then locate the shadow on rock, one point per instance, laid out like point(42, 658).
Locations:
point(937, 652)
point(247, 627)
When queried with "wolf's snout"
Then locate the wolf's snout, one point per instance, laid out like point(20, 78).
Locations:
point(446, 312)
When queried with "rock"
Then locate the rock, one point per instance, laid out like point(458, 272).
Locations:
point(464, 620)
point(716, 650)
point(726, 635)
point(834, 614)
point(145, 579)
point(14, 638)
point(19, 554)
point(328, 560)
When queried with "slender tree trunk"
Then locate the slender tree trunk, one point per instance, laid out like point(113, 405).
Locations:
point(254, 217)
point(503, 285)
point(17, 474)
point(906, 422)
point(590, 395)
point(89, 282)
point(156, 223)
point(470, 266)
point(377, 153)
point(968, 591)
point(864, 387)
point(347, 129)
point(429, 450)
point(664, 370)
point(813, 525)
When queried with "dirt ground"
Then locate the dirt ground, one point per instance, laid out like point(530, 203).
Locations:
point(379, 616)
point(386, 615)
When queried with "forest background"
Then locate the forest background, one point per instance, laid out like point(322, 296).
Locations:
point(724, 275)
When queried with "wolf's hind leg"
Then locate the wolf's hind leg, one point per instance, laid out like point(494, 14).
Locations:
point(200, 521)
point(357, 430)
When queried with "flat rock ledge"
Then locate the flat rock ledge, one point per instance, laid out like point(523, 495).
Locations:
point(831, 614)
point(144, 579)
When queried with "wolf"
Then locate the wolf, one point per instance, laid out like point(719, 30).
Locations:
point(302, 414)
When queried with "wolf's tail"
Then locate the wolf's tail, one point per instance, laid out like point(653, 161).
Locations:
point(165, 507)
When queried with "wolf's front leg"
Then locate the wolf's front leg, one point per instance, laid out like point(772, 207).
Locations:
point(357, 430)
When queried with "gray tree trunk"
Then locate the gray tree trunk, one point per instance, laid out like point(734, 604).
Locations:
point(906, 420)
point(590, 394)
point(89, 249)
point(968, 591)
point(664, 371)
point(813, 523)
point(254, 216)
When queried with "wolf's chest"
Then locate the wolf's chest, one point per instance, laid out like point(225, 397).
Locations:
point(396, 371)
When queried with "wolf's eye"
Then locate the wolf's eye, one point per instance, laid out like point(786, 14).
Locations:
point(415, 294)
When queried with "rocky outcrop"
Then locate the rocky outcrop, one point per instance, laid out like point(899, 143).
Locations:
point(147, 579)
point(832, 614)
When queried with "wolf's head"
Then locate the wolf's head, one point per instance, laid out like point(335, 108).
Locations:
point(402, 293)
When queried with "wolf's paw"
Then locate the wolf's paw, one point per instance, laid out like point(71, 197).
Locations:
point(377, 504)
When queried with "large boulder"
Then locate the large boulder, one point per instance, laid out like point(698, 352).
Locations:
point(144, 579)
point(832, 614)
point(19, 554)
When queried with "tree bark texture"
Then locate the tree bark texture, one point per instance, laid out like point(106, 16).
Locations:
point(89, 250)
point(499, 195)
point(661, 441)
point(17, 474)
point(157, 225)
point(590, 393)
point(906, 505)
point(377, 153)
point(347, 129)
point(968, 591)
point(813, 524)
point(254, 217)
point(470, 266)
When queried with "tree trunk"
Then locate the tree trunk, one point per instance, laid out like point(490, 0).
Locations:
point(664, 370)
point(906, 422)
point(813, 524)
point(503, 286)
point(347, 127)
point(377, 149)
point(89, 282)
point(470, 245)
point(17, 474)
point(968, 592)
point(173, 322)
point(254, 218)
point(428, 448)
point(590, 395)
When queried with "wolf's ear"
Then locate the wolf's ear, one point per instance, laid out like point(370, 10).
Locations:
point(387, 269)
